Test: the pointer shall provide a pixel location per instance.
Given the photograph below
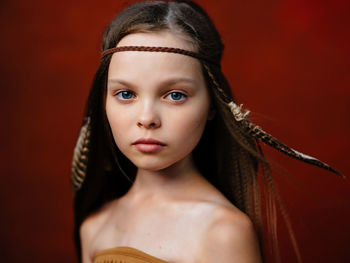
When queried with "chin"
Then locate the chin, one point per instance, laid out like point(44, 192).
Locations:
point(151, 164)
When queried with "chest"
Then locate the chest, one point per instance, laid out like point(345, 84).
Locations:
point(161, 231)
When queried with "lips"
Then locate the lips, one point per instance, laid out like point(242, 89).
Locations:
point(148, 141)
point(148, 145)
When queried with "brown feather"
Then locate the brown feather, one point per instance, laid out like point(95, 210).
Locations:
point(80, 156)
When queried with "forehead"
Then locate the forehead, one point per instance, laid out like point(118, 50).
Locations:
point(160, 38)
point(143, 64)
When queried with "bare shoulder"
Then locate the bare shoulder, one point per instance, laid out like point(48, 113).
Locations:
point(89, 230)
point(230, 237)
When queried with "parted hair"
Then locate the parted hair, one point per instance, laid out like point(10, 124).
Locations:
point(227, 154)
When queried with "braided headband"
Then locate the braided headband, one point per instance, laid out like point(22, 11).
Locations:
point(159, 49)
point(82, 148)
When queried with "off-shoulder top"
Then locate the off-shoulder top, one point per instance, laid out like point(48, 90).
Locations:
point(125, 255)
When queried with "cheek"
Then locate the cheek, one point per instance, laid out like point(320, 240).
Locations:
point(187, 126)
point(118, 123)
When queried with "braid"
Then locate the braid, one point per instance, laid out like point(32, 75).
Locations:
point(159, 49)
point(236, 182)
point(247, 179)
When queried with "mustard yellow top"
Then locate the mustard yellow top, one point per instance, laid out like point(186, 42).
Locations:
point(125, 255)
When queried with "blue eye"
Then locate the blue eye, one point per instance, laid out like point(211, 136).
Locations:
point(125, 95)
point(176, 95)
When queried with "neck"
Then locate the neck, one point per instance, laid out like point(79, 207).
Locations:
point(166, 181)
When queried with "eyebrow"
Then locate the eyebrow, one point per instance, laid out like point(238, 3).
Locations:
point(170, 81)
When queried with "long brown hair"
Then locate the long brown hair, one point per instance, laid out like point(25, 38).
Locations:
point(227, 155)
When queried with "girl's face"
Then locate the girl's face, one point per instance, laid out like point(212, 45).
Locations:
point(156, 95)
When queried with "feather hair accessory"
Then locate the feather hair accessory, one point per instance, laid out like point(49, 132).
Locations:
point(255, 131)
point(268, 139)
point(80, 156)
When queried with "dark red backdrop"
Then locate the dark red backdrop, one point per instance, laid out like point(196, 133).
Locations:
point(287, 61)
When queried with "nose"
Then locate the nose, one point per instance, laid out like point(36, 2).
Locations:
point(148, 117)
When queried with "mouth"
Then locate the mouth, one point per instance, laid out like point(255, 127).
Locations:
point(148, 145)
point(148, 141)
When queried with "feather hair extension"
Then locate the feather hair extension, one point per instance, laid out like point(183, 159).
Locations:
point(268, 139)
point(255, 131)
point(80, 156)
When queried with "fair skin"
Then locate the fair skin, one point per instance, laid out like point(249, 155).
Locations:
point(171, 211)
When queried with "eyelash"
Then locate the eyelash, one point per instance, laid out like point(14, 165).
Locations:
point(128, 91)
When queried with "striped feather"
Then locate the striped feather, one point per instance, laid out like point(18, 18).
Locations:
point(80, 156)
point(268, 139)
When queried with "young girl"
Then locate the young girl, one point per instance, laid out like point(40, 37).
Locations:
point(166, 165)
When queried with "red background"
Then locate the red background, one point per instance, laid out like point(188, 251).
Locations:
point(287, 61)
